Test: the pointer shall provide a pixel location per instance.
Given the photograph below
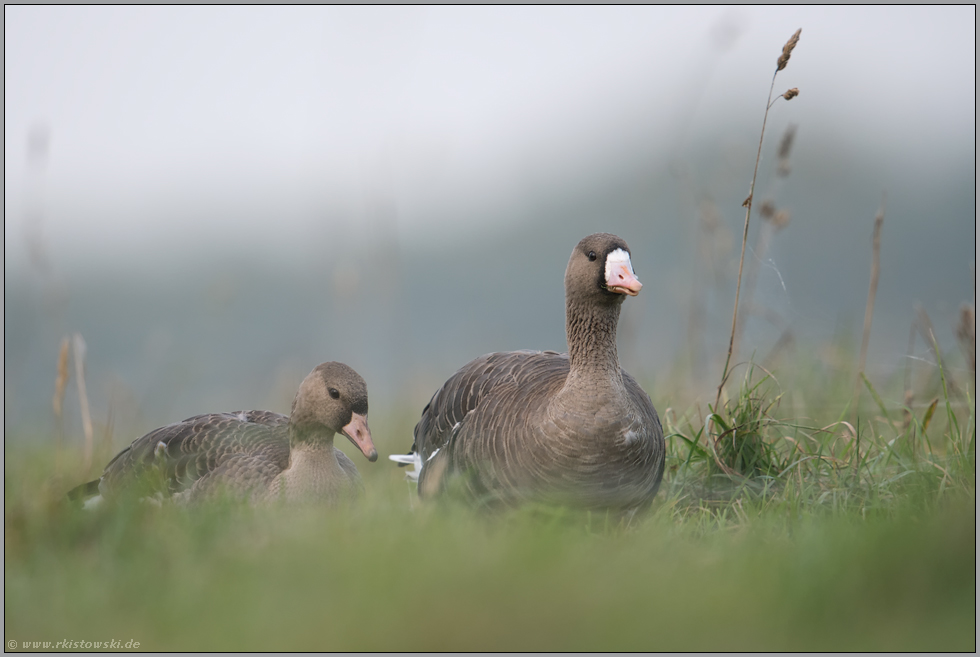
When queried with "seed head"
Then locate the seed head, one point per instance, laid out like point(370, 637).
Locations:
point(787, 49)
point(791, 93)
point(768, 210)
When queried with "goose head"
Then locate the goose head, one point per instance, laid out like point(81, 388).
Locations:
point(600, 270)
point(333, 399)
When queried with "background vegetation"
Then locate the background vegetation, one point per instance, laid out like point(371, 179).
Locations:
point(796, 535)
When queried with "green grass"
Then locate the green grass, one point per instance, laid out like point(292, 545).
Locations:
point(793, 536)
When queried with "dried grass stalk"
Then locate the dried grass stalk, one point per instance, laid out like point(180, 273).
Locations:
point(966, 333)
point(747, 204)
point(61, 381)
point(909, 395)
point(869, 308)
point(78, 350)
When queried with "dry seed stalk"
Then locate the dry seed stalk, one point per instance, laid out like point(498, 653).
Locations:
point(61, 381)
point(58, 401)
point(966, 331)
point(872, 287)
point(747, 204)
point(78, 349)
point(866, 334)
point(909, 396)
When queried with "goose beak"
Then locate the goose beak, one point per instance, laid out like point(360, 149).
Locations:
point(359, 434)
point(621, 279)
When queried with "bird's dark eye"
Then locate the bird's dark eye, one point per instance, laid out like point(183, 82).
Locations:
point(334, 393)
point(591, 256)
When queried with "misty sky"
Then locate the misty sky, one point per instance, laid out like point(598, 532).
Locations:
point(166, 124)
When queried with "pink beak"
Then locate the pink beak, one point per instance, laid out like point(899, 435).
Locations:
point(359, 434)
point(622, 280)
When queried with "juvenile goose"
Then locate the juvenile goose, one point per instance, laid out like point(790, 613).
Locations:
point(257, 455)
point(560, 428)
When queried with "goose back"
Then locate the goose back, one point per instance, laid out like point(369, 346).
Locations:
point(187, 460)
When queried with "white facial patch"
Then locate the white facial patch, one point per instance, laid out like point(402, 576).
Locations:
point(616, 257)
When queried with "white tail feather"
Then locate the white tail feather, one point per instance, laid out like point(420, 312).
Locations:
point(92, 503)
point(409, 459)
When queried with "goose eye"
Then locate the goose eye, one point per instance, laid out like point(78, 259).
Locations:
point(334, 393)
point(591, 256)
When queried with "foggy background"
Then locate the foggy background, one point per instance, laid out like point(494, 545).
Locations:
point(220, 198)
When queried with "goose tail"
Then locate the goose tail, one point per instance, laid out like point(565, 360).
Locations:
point(412, 459)
point(87, 495)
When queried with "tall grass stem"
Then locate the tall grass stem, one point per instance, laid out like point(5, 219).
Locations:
point(78, 349)
point(869, 308)
point(781, 63)
point(745, 237)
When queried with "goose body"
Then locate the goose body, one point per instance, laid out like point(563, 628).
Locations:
point(255, 455)
point(569, 428)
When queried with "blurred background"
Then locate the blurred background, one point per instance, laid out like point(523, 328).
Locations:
point(219, 198)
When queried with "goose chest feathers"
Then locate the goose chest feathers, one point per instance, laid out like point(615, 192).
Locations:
point(254, 455)
point(569, 428)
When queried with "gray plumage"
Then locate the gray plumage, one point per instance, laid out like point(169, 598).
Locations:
point(561, 428)
point(256, 455)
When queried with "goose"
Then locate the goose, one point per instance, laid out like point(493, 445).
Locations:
point(256, 455)
point(572, 429)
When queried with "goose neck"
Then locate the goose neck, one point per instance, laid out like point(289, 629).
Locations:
point(311, 461)
point(310, 439)
point(590, 330)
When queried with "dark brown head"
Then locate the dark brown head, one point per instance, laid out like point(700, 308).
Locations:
point(334, 397)
point(600, 270)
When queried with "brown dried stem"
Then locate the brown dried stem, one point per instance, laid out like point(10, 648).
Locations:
point(866, 335)
point(966, 333)
point(78, 350)
point(61, 381)
point(872, 287)
point(747, 204)
point(745, 237)
point(58, 401)
point(909, 396)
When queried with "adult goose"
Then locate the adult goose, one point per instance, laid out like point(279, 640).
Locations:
point(569, 428)
point(255, 455)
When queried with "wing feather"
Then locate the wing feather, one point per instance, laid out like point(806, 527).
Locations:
point(200, 450)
